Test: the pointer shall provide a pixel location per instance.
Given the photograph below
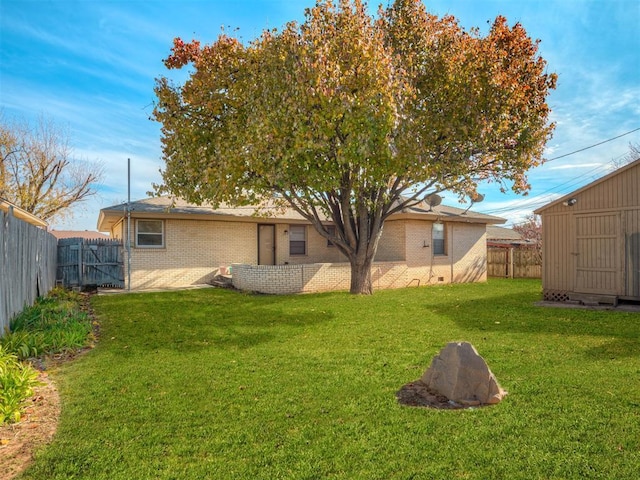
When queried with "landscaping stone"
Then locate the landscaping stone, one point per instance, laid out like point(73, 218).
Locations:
point(460, 374)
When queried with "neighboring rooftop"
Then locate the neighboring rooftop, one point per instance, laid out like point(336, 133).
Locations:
point(502, 236)
point(86, 234)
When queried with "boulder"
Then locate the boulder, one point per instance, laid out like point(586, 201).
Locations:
point(459, 373)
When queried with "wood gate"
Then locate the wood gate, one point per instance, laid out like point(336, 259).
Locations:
point(95, 262)
point(598, 240)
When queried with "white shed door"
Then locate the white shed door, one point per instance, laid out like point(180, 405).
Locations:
point(598, 262)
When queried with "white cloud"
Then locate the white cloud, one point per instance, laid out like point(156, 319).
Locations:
point(575, 166)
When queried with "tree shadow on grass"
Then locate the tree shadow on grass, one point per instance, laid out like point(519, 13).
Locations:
point(613, 349)
point(515, 313)
point(189, 321)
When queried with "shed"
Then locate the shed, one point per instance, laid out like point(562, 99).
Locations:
point(591, 241)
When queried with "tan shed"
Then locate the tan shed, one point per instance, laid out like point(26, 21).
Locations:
point(591, 241)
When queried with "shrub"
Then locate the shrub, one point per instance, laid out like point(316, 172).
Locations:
point(23, 344)
point(54, 324)
point(17, 381)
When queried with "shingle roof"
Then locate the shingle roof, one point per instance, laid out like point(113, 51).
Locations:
point(86, 234)
point(167, 207)
point(501, 233)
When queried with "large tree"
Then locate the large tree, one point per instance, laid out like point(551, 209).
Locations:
point(354, 117)
point(38, 172)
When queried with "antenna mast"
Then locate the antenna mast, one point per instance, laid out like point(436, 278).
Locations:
point(128, 224)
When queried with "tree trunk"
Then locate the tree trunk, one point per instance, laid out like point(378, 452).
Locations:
point(361, 276)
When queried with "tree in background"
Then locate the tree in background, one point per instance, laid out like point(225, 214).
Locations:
point(631, 156)
point(531, 229)
point(37, 171)
point(354, 118)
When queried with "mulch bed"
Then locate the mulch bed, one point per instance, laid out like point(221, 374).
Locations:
point(418, 394)
point(18, 441)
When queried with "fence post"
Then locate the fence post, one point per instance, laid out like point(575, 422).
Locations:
point(511, 262)
point(80, 262)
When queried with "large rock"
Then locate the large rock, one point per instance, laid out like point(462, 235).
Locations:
point(461, 375)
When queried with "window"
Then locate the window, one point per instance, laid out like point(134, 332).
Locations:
point(332, 231)
point(297, 240)
point(149, 233)
point(438, 239)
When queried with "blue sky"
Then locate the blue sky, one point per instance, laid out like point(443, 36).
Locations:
point(90, 66)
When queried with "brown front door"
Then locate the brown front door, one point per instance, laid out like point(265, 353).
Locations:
point(266, 245)
point(598, 261)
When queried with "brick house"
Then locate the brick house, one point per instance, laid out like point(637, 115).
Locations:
point(274, 251)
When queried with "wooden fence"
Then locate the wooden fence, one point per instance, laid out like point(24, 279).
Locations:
point(95, 262)
point(512, 262)
point(27, 265)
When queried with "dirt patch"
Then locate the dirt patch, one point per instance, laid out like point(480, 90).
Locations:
point(418, 394)
point(18, 441)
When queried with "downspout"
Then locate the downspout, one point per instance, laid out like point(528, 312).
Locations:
point(452, 250)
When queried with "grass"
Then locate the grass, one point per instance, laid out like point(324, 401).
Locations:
point(217, 384)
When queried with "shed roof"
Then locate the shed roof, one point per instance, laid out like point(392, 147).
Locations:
point(166, 207)
point(619, 171)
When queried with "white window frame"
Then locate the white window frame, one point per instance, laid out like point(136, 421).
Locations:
point(294, 234)
point(138, 233)
point(439, 242)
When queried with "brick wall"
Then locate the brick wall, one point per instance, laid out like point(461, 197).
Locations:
point(194, 251)
point(465, 262)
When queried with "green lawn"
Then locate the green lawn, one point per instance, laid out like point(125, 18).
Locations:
point(217, 384)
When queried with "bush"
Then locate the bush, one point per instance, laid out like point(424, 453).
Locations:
point(17, 381)
point(23, 344)
point(54, 324)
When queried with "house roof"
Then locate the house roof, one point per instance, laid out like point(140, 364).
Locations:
point(619, 171)
point(501, 233)
point(165, 207)
point(86, 234)
point(501, 236)
point(18, 212)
